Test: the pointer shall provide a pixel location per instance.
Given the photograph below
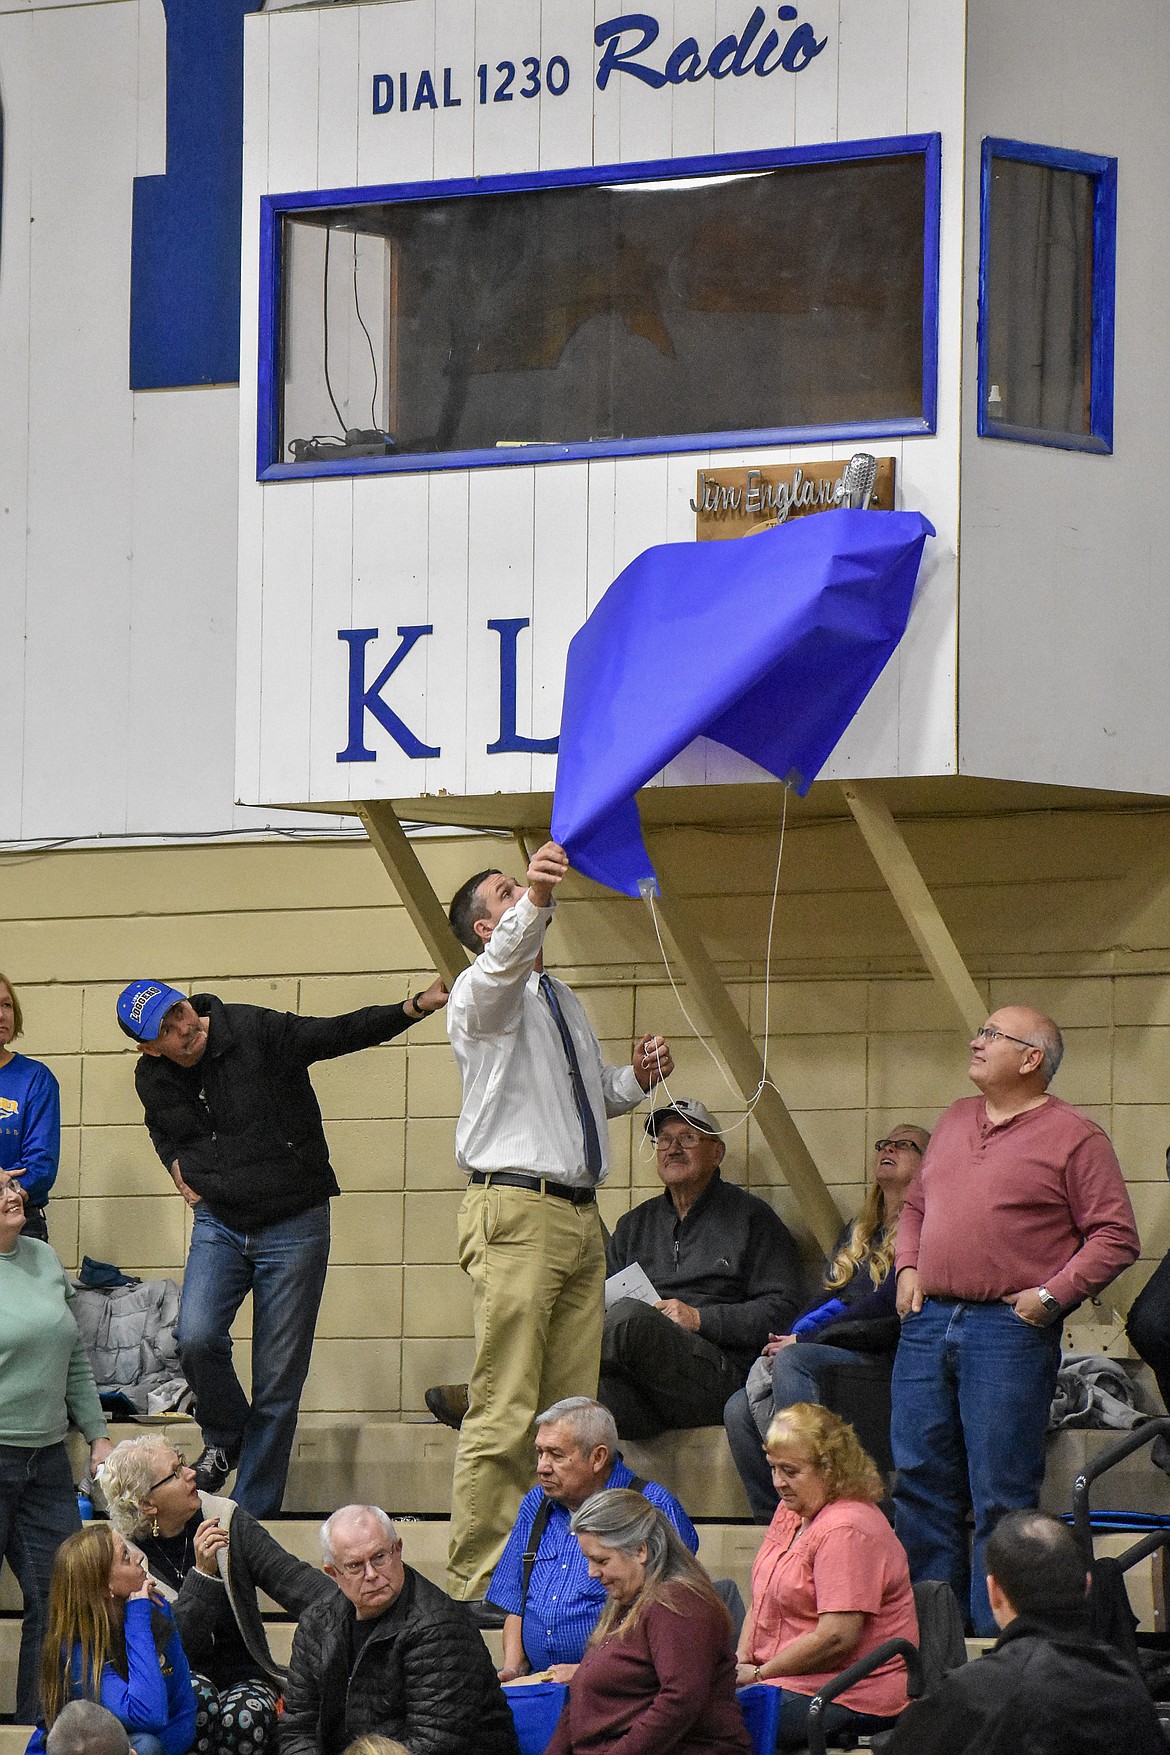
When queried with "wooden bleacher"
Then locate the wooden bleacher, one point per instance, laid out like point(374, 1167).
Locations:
point(405, 1466)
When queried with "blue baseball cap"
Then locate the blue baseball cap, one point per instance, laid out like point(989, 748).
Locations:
point(142, 1007)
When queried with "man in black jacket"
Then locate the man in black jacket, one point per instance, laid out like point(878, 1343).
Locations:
point(1047, 1687)
point(232, 1114)
point(391, 1655)
point(727, 1274)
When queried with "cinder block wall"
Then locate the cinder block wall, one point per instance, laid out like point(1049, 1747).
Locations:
point(1069, 911)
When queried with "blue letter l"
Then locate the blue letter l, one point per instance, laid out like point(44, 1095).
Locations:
point(510, 741)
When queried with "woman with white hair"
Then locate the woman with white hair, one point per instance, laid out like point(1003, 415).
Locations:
point(658, 1672)
point(209, 1558)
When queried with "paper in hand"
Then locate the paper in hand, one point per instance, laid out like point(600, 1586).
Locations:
point(631, 1282)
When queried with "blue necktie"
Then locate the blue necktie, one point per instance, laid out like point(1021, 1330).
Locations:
point(580, 1095)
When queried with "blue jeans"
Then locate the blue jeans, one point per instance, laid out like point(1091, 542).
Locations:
point(38, 1509)
point(972, 1387)
point(283, 1266)
point(796, 1377)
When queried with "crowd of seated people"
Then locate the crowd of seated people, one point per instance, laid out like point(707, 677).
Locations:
point(385, 1663)
point(950, 1286)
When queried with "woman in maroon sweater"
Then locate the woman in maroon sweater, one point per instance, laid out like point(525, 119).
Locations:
point(658, 1674)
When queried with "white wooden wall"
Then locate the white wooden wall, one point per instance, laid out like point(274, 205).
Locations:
point(1065, 622)
point(117, 511)
point(457, 548)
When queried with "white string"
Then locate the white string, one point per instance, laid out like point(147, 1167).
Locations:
point(754, 1099)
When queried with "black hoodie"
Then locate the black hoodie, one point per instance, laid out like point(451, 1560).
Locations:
point(1047, 1687)
point(244, 1123)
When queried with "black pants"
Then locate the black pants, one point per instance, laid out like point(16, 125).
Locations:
point(34, 1224)
point(657, 1377)
point(38, 1509)
point(1148, 1326)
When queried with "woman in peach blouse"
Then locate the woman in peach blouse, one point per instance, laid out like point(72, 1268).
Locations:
point(830, 1582)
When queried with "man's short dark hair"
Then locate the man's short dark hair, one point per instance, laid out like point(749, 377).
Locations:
point(467, 907)
point(85, 1728)
point(1036, 1563)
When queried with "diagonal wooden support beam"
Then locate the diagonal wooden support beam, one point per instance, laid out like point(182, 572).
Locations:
point(427, 913)
point(914, 901)
point(733, 1040)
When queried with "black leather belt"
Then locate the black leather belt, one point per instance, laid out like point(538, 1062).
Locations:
point(580, 1197)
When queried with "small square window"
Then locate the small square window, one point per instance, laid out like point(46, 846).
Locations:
point(1046, 296)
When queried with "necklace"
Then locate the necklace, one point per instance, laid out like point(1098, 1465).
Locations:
point(172, 1556)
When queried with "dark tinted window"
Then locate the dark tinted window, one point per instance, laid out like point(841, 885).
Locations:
point(1039, 297)
point(786, 297)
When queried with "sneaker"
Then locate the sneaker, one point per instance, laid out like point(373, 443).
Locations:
point(448, 1403)
point(212, 1468)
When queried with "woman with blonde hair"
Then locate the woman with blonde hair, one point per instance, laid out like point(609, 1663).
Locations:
point(30, 1117)
point(658, 1672)
point(111, 1639)
point(830, 1582)
point(209, 1558)
point(853, 1319)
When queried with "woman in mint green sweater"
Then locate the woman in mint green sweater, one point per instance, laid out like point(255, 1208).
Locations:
point(46, 1385)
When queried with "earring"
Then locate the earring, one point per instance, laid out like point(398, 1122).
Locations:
point(154, 1529)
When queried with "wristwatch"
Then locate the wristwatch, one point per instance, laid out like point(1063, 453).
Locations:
point(1051, 1304)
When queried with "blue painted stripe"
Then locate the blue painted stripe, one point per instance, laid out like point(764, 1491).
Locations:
point(185, 246)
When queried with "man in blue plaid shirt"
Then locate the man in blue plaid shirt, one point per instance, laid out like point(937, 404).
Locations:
point(552, 1604)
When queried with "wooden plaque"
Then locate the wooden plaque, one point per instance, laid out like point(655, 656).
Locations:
point(735, 502)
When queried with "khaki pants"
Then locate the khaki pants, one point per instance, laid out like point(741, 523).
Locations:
point(537, 1269)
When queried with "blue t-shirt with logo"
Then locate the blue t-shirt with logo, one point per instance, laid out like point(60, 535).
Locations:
point(30, 1125)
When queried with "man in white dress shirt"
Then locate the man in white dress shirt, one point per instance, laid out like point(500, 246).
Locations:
point(532, 1139)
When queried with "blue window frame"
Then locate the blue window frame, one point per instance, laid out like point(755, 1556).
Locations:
point(1047, 252)
point(366, 264)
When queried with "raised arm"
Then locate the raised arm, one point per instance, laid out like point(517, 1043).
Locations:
point(488, 998)
point(140, 1701)
point(296, 1041)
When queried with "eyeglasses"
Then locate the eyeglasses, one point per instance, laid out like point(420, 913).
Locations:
point(173, 1476)
point(380, 1561)
point(897, 1146)
point(985, 1033)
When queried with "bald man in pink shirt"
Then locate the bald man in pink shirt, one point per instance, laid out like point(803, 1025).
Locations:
point(1018, 1213)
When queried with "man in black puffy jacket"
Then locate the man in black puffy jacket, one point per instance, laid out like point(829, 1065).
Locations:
point(231, 1111)
point(1047, 1687)
point(391, 1655)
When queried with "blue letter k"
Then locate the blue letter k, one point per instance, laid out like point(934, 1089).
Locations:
point(363, 700)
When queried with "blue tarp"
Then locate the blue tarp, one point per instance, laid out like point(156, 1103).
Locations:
point(766, 643)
